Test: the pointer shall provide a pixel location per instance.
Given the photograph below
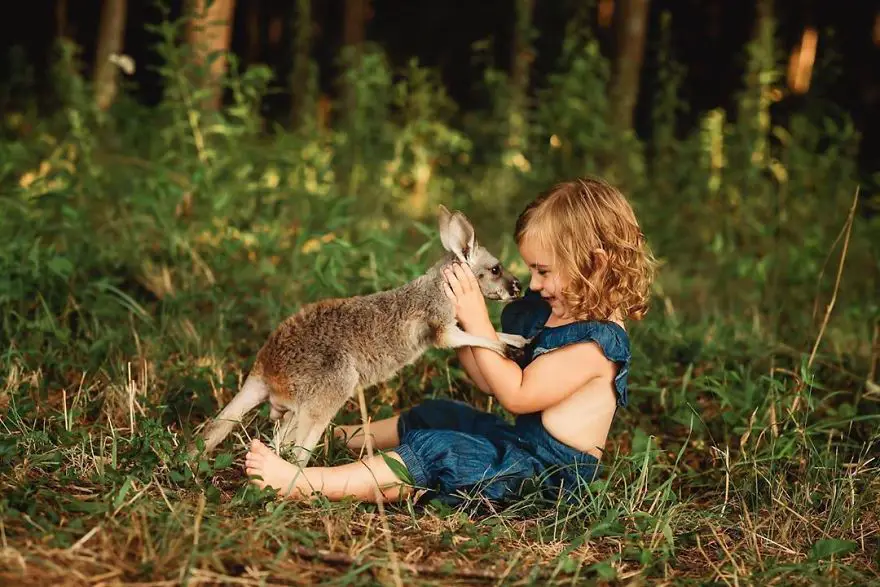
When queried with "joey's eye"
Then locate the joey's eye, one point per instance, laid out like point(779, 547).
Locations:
point(496, 270)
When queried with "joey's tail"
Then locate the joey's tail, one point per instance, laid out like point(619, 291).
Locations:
point(252, 393)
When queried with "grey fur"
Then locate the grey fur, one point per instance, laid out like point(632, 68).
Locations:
point(317, 359)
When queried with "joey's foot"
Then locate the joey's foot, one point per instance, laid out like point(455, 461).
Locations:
point(513, 353)
point(275, 472)
point(514, 345)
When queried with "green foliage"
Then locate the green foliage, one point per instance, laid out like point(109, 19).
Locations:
point(147, 253)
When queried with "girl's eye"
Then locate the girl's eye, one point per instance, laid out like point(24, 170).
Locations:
point(542, 272)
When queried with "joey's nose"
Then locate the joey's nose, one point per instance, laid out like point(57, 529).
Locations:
point(515, 287)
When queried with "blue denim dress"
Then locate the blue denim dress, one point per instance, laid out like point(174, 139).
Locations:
point(454, 450)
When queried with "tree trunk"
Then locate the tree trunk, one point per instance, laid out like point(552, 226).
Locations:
point(605, 13)
point(354, 31)
point(631, 24)
point(254, 36)
point(111, 38)
point(299, 76)
point(521, 62)
point(60, 18)
point(210, 31)
point(276, 31)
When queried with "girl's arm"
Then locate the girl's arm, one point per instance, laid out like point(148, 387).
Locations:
point(548, 379)
point(466, 356)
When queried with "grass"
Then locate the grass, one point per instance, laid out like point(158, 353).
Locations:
point(144, 268)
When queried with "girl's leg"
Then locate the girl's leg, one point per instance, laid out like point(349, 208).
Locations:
point(434, 414)
point(358, 479)
point(384, 433)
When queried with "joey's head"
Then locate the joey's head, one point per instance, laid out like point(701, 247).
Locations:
point(458, 237)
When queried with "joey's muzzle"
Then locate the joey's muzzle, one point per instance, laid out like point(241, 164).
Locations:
point(514, 288)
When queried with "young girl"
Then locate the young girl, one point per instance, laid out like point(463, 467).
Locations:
point(590, 272)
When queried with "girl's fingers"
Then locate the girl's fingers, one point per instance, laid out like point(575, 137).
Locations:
point(454, 283)
point(448, 291)
point(472, 279)
point(461, 275)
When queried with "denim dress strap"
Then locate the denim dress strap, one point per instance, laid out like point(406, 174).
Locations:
point(611, 338)
point(527, 316)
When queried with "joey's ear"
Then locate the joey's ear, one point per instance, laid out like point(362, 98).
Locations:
point(456, 234)
point(443, 223)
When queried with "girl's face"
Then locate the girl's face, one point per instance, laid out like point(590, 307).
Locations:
point(546, 279)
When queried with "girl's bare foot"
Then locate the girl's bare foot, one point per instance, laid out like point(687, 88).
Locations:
point(274, 471)
point(361, 479)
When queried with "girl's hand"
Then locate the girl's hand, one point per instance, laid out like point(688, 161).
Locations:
point(462, 289)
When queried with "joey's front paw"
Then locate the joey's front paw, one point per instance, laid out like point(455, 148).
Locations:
point(513, 353)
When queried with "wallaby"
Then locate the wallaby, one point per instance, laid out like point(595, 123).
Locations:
point(317, 359)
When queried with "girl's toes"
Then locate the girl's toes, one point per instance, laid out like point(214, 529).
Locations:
point(254, 464)
point(258, 448)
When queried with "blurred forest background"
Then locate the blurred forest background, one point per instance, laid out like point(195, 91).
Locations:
point(177, 177)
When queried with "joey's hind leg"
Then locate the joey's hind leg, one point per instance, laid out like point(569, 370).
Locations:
point(312, 423)
point(253, 392)
point(286, 424)
point(308, 420)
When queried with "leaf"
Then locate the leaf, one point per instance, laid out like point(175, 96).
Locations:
point(607, 528)
point(223, 460)
point(640, 441)
point(125, 300)
point(667, 533)
point(604, 569)
point(61, 266)
point(122, 493)
point(399, 469)
point(89, 507)
point(830, 547)
point(569, 565)
point(212, 494)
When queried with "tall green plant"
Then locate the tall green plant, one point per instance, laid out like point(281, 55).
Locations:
point(425, 145)
point(572, 117)
point(363, 130)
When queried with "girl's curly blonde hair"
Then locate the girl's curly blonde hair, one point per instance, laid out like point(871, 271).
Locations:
point(597, 245)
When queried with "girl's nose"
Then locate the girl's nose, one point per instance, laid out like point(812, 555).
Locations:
point(535, 283)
